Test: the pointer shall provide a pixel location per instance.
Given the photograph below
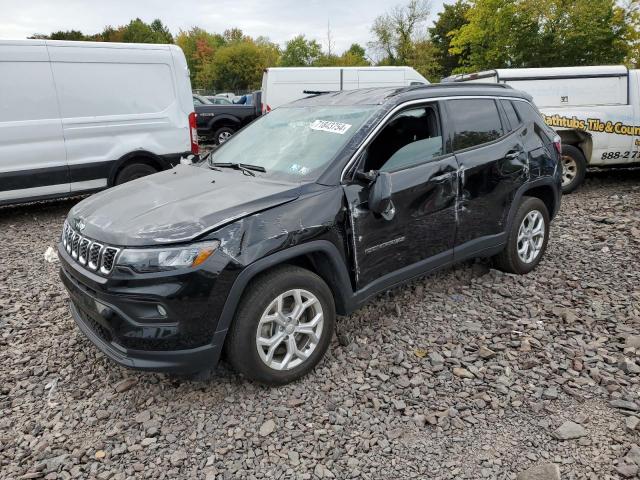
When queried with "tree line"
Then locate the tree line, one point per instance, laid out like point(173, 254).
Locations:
point(466, 36)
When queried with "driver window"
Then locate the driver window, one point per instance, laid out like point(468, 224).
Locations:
point(411, 137)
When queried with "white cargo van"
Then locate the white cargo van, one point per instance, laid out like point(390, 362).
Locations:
point(76, 117)
point(595, 110)
point(285, 84)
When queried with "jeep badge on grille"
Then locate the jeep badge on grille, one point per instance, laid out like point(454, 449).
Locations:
point(79, 223)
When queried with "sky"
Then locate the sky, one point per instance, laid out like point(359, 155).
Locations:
point(280, 20)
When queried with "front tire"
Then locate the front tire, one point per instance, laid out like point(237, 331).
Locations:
point(283, 326)
point(574, 168)
point(527, 239)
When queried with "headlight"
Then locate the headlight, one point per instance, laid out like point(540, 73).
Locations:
point(146, 260)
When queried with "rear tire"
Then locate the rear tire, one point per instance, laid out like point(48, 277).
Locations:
point(574, 168)
point(267, 326)
point(134, 171)
point(222, 135)
point(526, 244)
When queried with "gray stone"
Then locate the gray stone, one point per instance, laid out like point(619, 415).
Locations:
point(569, 431)
point(627, 470)
point(547, 471)
point(624, 405)
point(267, 428)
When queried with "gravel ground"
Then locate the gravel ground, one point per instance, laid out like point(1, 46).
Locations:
point(468, 374)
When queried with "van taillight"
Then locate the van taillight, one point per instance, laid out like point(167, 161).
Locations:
point(265, 108)
point(193, 132)
point(557, 143)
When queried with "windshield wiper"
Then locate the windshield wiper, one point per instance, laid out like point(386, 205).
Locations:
point(244, 167)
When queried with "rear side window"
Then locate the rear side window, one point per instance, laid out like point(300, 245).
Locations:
point(512, 116)
point(476, 121)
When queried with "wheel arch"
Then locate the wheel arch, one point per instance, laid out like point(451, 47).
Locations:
point(223, 121)
point(545, 189)
point(580, 139)
point(319, 256)
point(138, 156)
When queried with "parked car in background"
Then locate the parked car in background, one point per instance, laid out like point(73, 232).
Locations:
point(76, 117)
point(216, 123)
point(201, 100)
point(595, 110)
point(219, 100)
point(307, 213)
point(285, 84)
point(228, 95)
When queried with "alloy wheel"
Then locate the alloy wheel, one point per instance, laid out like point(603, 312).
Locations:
point(223, 137)
point(569, 170)
point(289, 329)
point(531, 236)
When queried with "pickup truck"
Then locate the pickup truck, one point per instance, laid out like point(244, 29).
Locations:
point(216, 123)
point(595, 110)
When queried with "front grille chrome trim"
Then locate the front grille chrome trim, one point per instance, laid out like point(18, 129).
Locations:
point(93, 256)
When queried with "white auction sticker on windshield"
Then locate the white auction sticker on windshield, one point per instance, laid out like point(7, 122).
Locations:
point(328, 126)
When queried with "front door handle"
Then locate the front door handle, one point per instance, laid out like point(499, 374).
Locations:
point(444, 176)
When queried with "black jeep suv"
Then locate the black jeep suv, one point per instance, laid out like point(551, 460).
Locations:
point(305, 214)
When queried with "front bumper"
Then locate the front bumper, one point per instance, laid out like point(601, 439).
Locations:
point(177, 361)
point(115, 315)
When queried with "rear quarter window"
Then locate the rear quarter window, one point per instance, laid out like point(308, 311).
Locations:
point(476, 121)
point(527, 113)
point(510, 111)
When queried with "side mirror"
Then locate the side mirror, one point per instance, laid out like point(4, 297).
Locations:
point(380, 194)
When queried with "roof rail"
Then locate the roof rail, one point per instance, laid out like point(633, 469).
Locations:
point(465, 85)
point(413, 88)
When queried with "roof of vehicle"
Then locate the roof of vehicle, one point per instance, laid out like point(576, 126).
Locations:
point(381, 95)
point(366, 67)
point(551, 72)
point(86, 44)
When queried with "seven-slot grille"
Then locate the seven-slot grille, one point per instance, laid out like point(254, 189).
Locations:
point(92, 255)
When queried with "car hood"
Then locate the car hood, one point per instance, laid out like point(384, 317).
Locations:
point(177, 205)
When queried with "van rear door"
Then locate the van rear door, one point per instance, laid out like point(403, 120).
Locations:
point(33, 160)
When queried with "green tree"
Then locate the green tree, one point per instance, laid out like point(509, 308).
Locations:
point(199, 47)
point(449, 21)
point(632, 39)
point(423, 58)
point(68, 35)
point(396, 31)
point(238, 66)
point(355, 56)
point(140, 32)
point(541, 33)
point(300, 52)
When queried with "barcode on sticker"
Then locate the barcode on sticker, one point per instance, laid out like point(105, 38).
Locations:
point(333, 127)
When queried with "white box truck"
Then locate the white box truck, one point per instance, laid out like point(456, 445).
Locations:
point(595, 110)
point(285, 84)
point(76, 117)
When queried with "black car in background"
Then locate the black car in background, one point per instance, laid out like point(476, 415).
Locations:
point(217, 122)
point(308, 213)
